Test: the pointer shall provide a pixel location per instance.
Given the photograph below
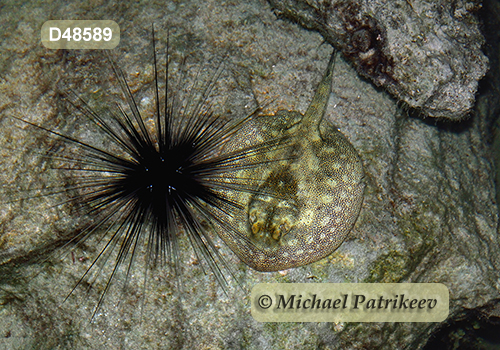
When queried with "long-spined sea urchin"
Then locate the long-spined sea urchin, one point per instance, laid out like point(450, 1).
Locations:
point(155, 177)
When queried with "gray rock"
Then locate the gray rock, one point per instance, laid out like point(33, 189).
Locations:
point(429, 213)
point(427, 54)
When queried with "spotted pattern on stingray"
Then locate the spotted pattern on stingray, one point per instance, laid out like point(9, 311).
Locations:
point(307, 203)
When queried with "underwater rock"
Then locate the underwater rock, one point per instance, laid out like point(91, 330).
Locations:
point(429, 212)
point(427, 54)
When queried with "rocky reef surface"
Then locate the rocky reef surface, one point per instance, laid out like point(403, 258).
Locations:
point(427, 54)
point(429, 213)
